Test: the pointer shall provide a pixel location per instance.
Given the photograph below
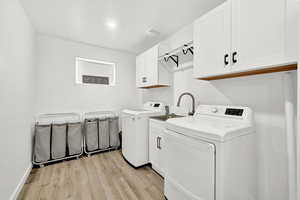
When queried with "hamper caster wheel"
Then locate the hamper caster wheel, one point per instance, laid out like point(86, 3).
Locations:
point(77, 158)
point(89, 155)
point(41, 166)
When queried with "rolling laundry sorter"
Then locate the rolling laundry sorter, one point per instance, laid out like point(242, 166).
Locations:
point(57, 137)
point(101, 131)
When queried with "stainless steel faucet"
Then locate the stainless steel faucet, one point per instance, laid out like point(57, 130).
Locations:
point(167, 108)
point(193, 101)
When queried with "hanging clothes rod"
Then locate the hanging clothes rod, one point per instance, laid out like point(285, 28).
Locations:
point(186, 47)
point(174, 58)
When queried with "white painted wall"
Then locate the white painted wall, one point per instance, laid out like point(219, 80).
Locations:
point(56, 87)
point(164, 94)
point(263, 93)
point(17, 48)
point(184, 35)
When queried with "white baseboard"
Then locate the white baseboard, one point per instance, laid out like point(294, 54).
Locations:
point(15, 194)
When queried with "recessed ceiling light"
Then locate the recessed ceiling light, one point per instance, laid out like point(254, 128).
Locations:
point(112, 24)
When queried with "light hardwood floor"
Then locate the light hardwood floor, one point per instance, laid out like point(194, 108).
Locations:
point(104, 176)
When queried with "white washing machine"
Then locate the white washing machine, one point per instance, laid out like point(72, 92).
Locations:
point(211, 155)
point(135, 132)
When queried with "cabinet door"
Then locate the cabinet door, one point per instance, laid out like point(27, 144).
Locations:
point(258, 33)
point(212, 39)
point(140, 70)
point(292, 30)
point(154, 147)
point(161, 157)
point(151, 66)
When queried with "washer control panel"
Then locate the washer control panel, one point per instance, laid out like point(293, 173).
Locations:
point(157, 106)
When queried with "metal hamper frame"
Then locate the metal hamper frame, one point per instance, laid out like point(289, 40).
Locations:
point(67, 118)
point(99, 115)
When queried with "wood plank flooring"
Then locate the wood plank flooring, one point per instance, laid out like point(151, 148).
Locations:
point(104, 176)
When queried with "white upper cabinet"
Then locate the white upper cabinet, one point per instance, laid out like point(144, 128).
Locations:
point(149, 73)
point(139, 71)
point(259, 37)
point(151, 66)
point(258, 32)
point(212, 42)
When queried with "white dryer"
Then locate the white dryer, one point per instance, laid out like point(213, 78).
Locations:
point(135, 132)
point(211, 155)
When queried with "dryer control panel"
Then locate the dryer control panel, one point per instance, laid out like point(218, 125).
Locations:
point(233, 112)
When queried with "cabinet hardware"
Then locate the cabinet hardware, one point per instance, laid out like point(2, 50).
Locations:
point(144, 79)
point(226, 62)
point(159, 139)
point(234, 60)
point(157, 142)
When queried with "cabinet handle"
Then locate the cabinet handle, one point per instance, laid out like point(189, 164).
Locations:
point(234, 60)
point(226, 62)
point(157, 142)
point(144, 79)
point(159, 139)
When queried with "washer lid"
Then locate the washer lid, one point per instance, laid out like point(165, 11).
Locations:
point(207, 127)
point(150, 108)
point(141, 112)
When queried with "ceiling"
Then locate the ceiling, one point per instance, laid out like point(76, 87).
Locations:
point(87, 20)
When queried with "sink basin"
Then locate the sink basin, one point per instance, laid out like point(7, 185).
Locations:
point(166, 117)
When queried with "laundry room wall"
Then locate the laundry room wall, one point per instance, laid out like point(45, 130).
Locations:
point(164, 94)
point(17, 83)
point(262, 93)
point(57, 90)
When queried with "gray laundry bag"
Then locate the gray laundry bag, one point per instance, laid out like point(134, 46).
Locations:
point(74, 138)
point(59, 133)
point(91, 134)
point(103, 133)
point(114, 132)
point(42, 143)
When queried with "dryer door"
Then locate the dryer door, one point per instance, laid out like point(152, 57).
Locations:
point(189, 168)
